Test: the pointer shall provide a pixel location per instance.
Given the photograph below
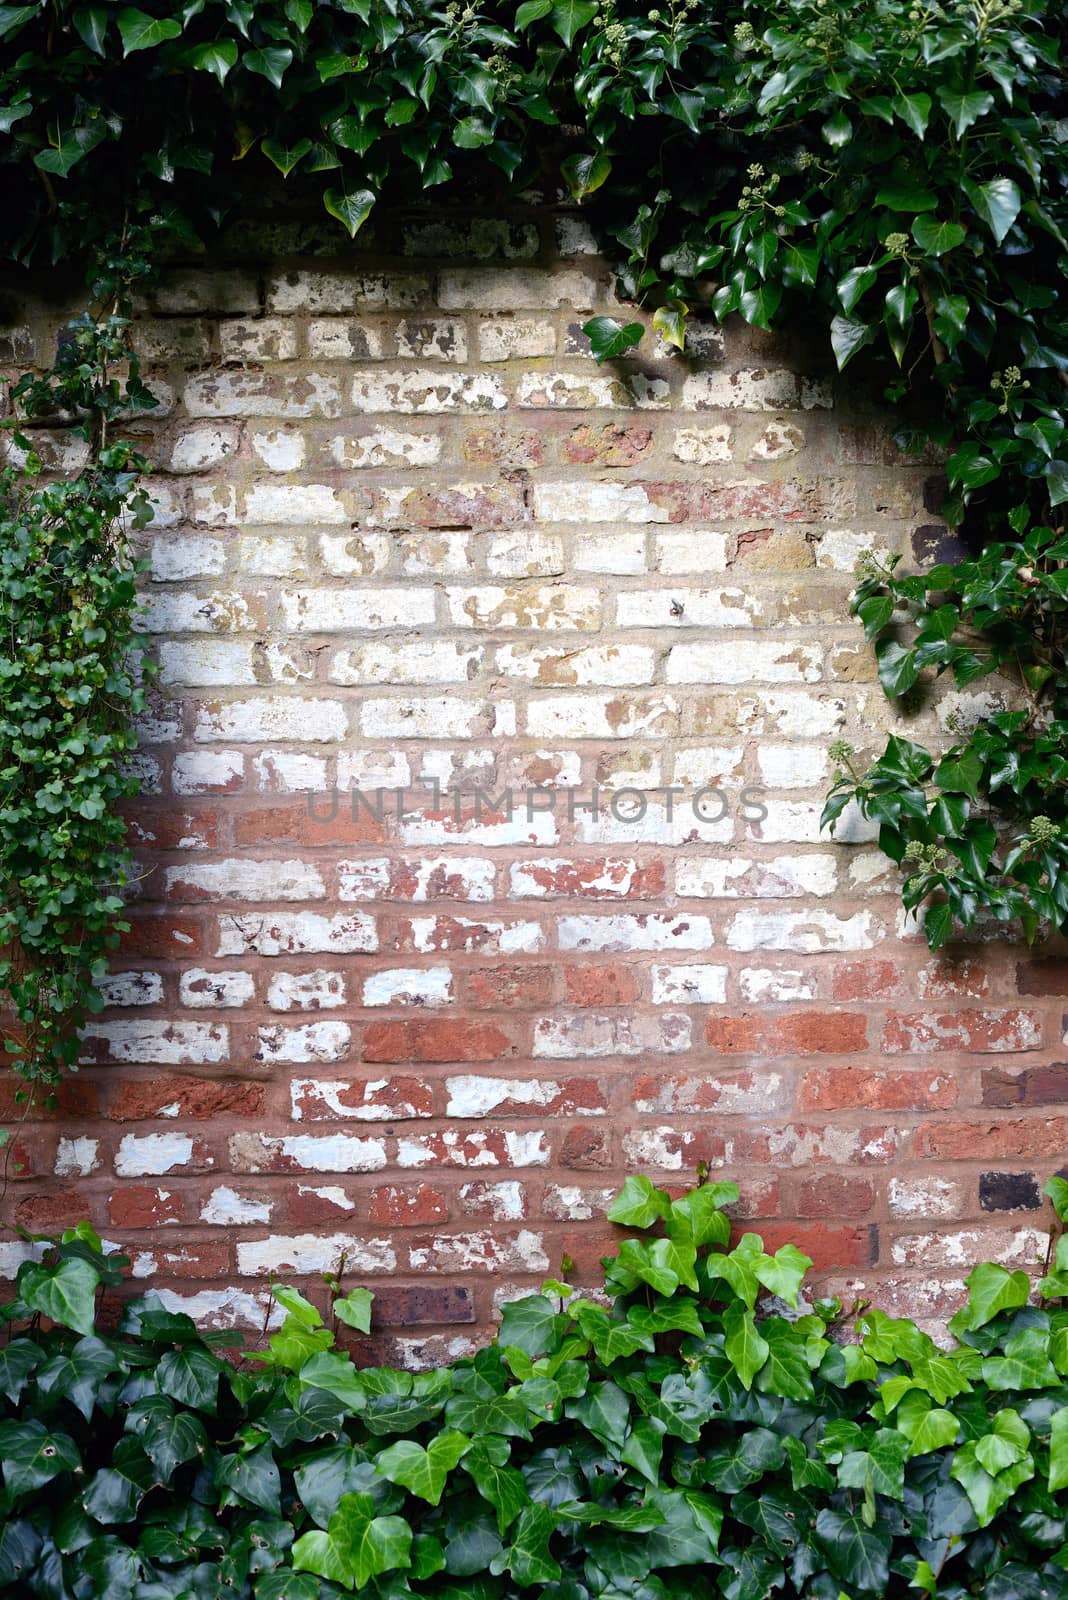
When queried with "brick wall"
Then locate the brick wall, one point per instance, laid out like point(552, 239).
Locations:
point(410, 538)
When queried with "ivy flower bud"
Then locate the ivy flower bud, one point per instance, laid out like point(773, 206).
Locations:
point(897, 244)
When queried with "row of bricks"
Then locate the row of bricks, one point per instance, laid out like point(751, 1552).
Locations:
point(963, 1197)
point(752, 557)
point(519, 986)
point(780, 1082)
point(180, 446)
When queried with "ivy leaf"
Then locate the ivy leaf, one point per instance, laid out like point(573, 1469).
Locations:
point(914, 110)
point(12, 18)
point(354, 1309)
point(217, 57)
point(743, 1345)
point(351, 209)
point(66, 1293)
point(284, 157)
point(139, 31)
point(991, 1289)
point(638, 1204)
point(997, 202)
point(423, 1471)
point(503, 1486)
point(92, 25)
point(670, 323)
point(357, 1545)
point(1058, 1450)
point(528, 1558)
point(935, 238)
point(858, 1555)
point(584, 174)
point(191, 1376)
point(906, 196)
point(530, 1324)
point(31, 1455)
point(609, 339)
point(963, 109)
point(532, 11)
point(897, 668)
point(270, 63)
point(961, 774)
point(251, 1477)
point(837, 130)
point(847, 337)
point(569, 17)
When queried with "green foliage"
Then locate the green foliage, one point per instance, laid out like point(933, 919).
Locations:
point(71, 670)
point(898, 169)
point(981, 830)
point(686, 1437)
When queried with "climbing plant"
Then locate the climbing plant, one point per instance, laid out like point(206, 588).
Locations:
point(893, 172)
point(72, 665)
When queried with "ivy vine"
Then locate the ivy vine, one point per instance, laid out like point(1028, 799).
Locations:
point(72, 668)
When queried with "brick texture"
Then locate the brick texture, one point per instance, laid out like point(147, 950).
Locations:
point(411, 540)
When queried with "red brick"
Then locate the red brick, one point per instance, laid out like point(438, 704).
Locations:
point(1035, 1086)
point(154, 938)
point(585, 1149)
point(828, 1247)
point(945, 979)
point(846, 1088)
point(799, 1033)
point(369, 1099)
point(197, 1098)
point(1029, 1138)
point(921, 1033)
point(867, 980)
point(139, 1205)
point(831, 1196)
point(294, 824)
point(506, 986)
point(611, 444)
point(175, 830)
point(600, 986)
point(397, 1205)
point(435, 1041)
point(52, 1211)
point(1042, 977)
point(511, 447)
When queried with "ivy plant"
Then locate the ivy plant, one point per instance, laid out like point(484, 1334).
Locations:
point(72, 670)
point(704, 1428)
point(979, 828)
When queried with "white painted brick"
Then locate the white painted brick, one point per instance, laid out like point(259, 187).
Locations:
point(207, 771)
point(702, 447)
point(312, 1041)
point(289, 773)
point(131, 989)
point(240, 879)
point(778, 984)
point(257, 394)
point(805, 932)
point(197, 449)
point(515, 289)
point(744, 660)
point(296, 933)
point(186, 555)
point(586, 1035)
point(640, 931)
point(792, 766)
point(178, 611)
point(422, 661)
point(169, 1043)
point(740, 878)
point(690, 985)
point(753, 389)
point(272, 555)
point(342, 610)
point(207, 662)
point(409, 986)
point(306, 991)
point(226, 1208)
point(386, 447)
point(486, 1251)
point(294, 503)
point(475, 1148)
point(418, 392)
point(152, 1155)
point(313, 1253)
point(279, 449)
point(688, 608)
point(521, 606)
point(76, 1158)
point(521, 339)
point(257, 720)
point(578, 501)
point(347, 291)
point(429, 717)
point(197, 987)
point(306, 1152)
